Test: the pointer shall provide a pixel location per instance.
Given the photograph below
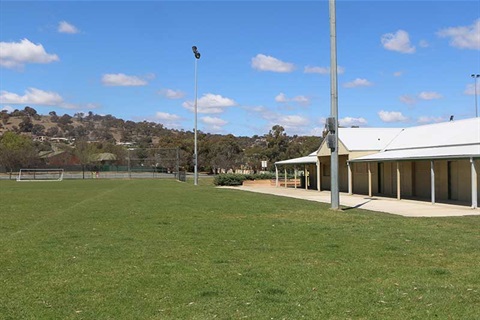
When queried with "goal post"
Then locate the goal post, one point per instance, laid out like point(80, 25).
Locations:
point(40, 175)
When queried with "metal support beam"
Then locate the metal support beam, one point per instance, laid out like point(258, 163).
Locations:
point(398, 181)
point(350, 177)
point(306, 176)
point(432, 180)
point(318, 175)
point(295, 177)
point(285, 173)
point(276, 176)
point(474, 184)
point(369, 180)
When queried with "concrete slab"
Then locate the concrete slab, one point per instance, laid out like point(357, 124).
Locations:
point(406, 208)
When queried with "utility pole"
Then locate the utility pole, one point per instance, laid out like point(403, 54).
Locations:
point(333, 126)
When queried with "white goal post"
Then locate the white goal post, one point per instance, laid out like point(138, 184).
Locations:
point(40, 175)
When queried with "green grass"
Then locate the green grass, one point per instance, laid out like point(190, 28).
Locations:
point(146, 249)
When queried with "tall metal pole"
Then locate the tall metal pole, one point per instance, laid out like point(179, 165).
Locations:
point(177, 165)
point(335, 196)
point(195, 155)
point(475, 77)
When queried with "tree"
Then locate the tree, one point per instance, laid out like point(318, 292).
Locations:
point(17, 151)
point(38, 129)
point(84, 152)
point(4, 116)
point(26, 125)
point(277, 144)
point(30, 112)
point(226, 153)
point(65, 119)
point(53, 131)
point(53, 116)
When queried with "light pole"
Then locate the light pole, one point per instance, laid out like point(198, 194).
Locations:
point(195, 155)
point(475, 77)
point(333, 127)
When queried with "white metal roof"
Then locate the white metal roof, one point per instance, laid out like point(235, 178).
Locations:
point(311, 158)
point(367, 139)
point(454, 139)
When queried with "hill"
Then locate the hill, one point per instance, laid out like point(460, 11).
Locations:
point(214, 150)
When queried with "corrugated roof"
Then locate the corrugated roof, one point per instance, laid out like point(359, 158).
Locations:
point(311, 158)
point(439, 134)
point(367, 139)
point(454, 139)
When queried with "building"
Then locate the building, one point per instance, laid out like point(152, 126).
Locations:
point(436, 162)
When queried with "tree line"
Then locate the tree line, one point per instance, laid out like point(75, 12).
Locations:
point(90, 133)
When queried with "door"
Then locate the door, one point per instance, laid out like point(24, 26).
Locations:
point(452, 168)
point(380, 177)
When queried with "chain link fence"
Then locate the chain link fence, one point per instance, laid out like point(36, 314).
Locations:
point(138, 163)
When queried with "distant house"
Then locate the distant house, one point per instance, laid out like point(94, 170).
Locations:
point(435, 162)
point(59, 158)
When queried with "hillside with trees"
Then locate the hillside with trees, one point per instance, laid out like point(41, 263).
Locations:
point(25, 135)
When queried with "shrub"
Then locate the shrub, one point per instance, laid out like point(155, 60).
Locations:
point(229, 179)
point(236, 179)
point(263, 176)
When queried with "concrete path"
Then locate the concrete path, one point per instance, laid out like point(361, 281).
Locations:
point(407, 208)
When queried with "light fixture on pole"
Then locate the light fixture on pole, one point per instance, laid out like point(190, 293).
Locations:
point(475, 77)
point(195, 155)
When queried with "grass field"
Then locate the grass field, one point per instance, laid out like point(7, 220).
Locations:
point(150, 249)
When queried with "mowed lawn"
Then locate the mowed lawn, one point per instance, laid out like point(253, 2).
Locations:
point(151, 249)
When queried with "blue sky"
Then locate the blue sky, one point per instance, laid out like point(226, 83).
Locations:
point(401, 63)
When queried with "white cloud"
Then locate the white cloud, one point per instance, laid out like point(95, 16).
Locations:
point(32, 96)
point(429, 95)
point(213, 124)
point(167, 116)
point(262, 62)
point(464, 37)
point(425, 119)
point(399, 41)
point(349, 121)
point(424, 95)
point(424, 44)
point(7, 108)
point(392, 116)
point(470, 90)
point(172, 94)
point(65, 27)
point(210, 103)
point(282, 98)
point(214, 121)
point(301, 100)
point(169, 120)
point(17, 54)
point(35, 96)
point(322, 70)
point(316, 131)
point(122, 80)
point(408, 99)
point(358, 83)
point(292, 121)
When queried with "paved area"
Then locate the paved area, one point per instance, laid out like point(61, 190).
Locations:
point(407, 208)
